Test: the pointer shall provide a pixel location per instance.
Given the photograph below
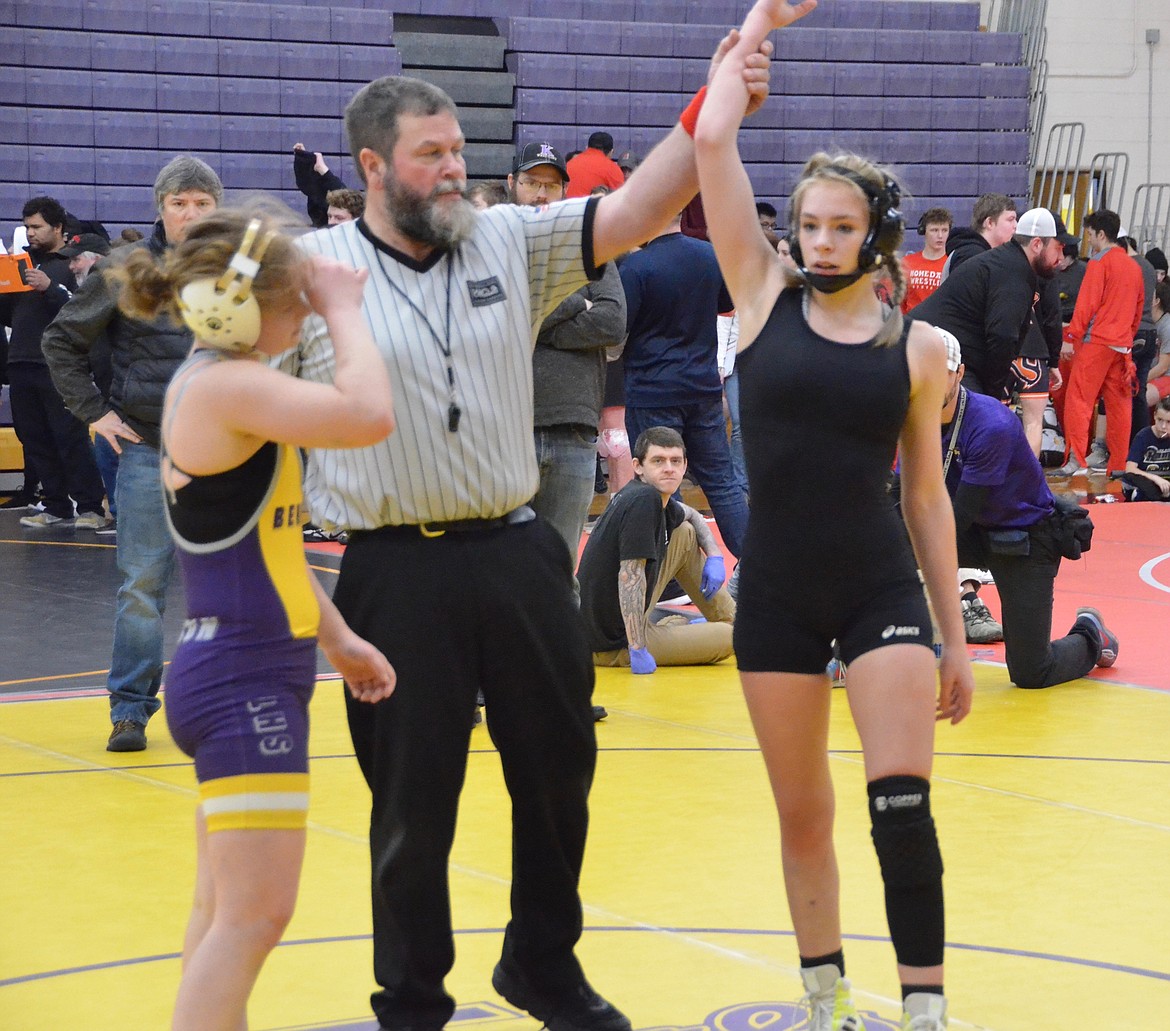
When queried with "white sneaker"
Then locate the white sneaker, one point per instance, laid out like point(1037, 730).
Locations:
point(1098, 457)
point(90, 521)
point(924, 1011)
point(41, 520)
point(829, 1000)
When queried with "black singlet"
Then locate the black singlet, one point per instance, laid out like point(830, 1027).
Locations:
point(820, 424)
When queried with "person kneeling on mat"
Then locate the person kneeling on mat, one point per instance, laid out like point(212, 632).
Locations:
point(643, 540)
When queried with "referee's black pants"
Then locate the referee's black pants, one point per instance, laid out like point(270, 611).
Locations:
point(489, 610)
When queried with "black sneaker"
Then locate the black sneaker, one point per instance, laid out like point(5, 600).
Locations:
point(127, 736)
point(599, 713)
point(578, 1008)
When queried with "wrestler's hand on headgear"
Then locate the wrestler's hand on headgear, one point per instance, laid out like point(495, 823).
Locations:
point(641, 661)
point(714, 575)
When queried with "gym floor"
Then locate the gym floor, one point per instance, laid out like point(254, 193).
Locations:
point(1052, 809)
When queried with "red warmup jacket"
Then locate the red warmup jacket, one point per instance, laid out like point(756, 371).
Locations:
point(1109, 305)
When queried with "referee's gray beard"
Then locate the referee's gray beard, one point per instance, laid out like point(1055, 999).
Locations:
point(422, 219)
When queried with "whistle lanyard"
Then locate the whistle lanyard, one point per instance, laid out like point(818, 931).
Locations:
point(454, 412)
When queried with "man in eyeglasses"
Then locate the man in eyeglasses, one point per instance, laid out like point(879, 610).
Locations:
point(568, 365)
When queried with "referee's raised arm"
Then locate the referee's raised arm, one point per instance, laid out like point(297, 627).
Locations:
point(665, 182)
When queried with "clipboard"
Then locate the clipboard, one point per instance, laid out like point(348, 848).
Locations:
point(11, 281)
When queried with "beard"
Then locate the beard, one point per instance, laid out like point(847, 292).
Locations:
point(425, 220)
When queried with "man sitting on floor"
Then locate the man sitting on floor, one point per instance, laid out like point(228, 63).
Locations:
point(642, 541)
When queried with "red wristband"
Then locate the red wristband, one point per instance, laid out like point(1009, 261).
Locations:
point(691, 115)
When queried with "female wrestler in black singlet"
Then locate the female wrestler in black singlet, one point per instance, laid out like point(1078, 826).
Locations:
point(239, 686)
point(830, 388)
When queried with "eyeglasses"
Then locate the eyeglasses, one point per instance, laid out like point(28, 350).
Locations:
point(540, 184)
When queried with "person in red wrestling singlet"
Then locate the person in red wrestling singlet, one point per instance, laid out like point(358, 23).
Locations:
point(924, 268)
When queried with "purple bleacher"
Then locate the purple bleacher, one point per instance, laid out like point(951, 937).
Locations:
point(179, 18)
point(58, 87)
point(944, 47)
point(955, 80)
point(606, 74)
point(901, 145)
point(179, 132)
point(246, 131)
point(124, 204)
point(1009, 179)
point(915, 179)
point(661, 75)
point(362, 63)
point(136, 129)
point(493, 8)
point(960, 16)
point(805, 45)
point(805, 78)
point(1006, 113)
point(655, 109)
point(671, 12)
point(51, 14)
point(692, 41)
point(249, 57)
point(349, 25)
point(195, 93)
point(761, 145)
point(14, 160)
point(851, 113)
point(694, 72)
point(309, 61)
point(1003, 148)
point(240, 21)
point(124, 91)
point(563, 137)
point(299, 24)
point(126, 167)
point(50, 48)
point(859, 80)
point(604, 108)
point(901, 80)
point(903, 46)
point(808, 112)
point(546, 105)
point(950, 113)
point(312, 99)
point(852, 45)
point(644, 139)
point(1005, 81)
point(543, 71)
point(244, 171)
point(996, 48)
point(253, 96)
point(186, 55)
point(76, 198)
point(565, 10)
point(856, 14)
point(536, 35)
point(11, 41)
point(901, 15)
point(801, 144)
point(51, 126)
point(955, 147)
point(904, 113)
point(585, 37)
point(318, 134)
point(861, 140)
point(711, 12)
point(114, 15)
point(650, 39)
point(122, 52)
point(948, 180)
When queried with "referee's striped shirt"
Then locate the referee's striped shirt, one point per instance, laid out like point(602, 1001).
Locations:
point(519, 263)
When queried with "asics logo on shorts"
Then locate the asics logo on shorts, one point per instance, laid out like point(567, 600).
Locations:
point(900, 631)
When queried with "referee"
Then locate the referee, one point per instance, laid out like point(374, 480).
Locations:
point(447, 570)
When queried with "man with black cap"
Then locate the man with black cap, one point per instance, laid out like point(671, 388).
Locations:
point(568, 365)
point(83, 251)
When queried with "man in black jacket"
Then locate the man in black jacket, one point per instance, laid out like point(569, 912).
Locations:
point(987, 303)
point(993, 222)
point(55, 443)
point(145, 356)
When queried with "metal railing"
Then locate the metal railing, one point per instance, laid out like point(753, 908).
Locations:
point(1149, 217)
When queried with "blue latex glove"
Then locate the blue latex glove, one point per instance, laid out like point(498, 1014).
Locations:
point(641, 661)
point(714, 573)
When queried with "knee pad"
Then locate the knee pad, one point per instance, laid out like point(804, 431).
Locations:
point(613, 443)
point(903, 831)
point(907, 849)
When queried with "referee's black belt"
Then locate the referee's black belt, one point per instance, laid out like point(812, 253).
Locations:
point(517, 516)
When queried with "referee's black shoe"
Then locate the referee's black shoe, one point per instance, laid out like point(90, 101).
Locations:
point(579, 1008)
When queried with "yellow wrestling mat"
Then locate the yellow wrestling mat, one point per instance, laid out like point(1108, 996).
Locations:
point(1052, 807)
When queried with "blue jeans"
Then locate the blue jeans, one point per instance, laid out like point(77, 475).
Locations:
point(567, 459)
point(146, 559)
point(107, 463)
point(704, 432)
point(731, 392)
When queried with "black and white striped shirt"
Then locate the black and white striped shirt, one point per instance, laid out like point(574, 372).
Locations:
point(484, 304)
